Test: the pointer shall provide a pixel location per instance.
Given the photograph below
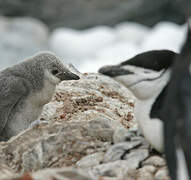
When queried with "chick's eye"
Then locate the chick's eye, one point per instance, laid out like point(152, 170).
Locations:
point(55, 71)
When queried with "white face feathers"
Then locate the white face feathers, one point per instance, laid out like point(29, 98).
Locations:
point(144, 83)
point(51, 78)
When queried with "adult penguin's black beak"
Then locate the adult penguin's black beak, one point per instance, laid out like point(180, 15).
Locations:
point(114, 71)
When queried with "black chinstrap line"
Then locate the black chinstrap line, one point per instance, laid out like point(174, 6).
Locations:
point(148, 79)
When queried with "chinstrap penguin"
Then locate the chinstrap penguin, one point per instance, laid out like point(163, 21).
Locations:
point(146, 75)
point(25, 88)
point(163, 102)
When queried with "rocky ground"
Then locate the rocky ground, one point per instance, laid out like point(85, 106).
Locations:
point(88, 131)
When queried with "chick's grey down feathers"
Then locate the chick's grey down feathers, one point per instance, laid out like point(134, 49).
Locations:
point(25, 88)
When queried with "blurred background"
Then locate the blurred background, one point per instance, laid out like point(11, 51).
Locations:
point(87, 33)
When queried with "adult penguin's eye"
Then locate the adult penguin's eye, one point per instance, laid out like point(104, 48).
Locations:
point(54, 71)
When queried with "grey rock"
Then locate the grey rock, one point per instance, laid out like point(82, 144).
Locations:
point(144, 142)
point(61, 174)
point(148, 168)
point(118, 151)
point(83, 14)
point(155, 161)
point(90, 160)
point(116, 169)
point(143, 173)
point(91, 98)
point(53, 145)
point(82, 124)
point(153, 168)
point(51, 173)
point(121, 135)
point(135, 157)
point(162, 174)
point(101, 127)
point(145, 176)
point(120, 168)
point(6, 172)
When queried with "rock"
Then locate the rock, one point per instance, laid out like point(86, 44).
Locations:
point(83, 14)
point(83, 124)
point(90, 160)
point(101, 128)
point(155, 161)
point(122, 135)
point(135, 157)
point(119, 168)
point(118, 151)
point(83, 120)
point(144, 173)
point(144, 143)
point(149, 169)
point(49, 174)
point(61, 174)
point(50, 109)
point(162, 174)
point(95, 97)
point(145, 176)
point(116, 169)
point(20, 38)
point(153, 167)
point(6, 172)
point(54, 146)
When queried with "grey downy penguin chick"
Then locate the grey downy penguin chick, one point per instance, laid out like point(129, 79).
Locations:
point(146, 76)
point(25, 88)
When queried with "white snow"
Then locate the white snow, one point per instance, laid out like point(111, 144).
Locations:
point(165, 35)
point(90, 49)
point(131, 32)
point(76, 45)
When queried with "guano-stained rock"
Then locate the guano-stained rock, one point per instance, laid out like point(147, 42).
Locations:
point(86, 128)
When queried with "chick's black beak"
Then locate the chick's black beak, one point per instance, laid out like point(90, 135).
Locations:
point(67, 75)
point(114, 71)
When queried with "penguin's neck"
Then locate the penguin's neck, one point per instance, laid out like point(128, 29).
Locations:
point(146, 114)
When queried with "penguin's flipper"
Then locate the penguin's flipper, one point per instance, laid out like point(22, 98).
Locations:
point(170, 150)
point(186, 147)
point(185, 125)
point(12, 91)
point(170, 114)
